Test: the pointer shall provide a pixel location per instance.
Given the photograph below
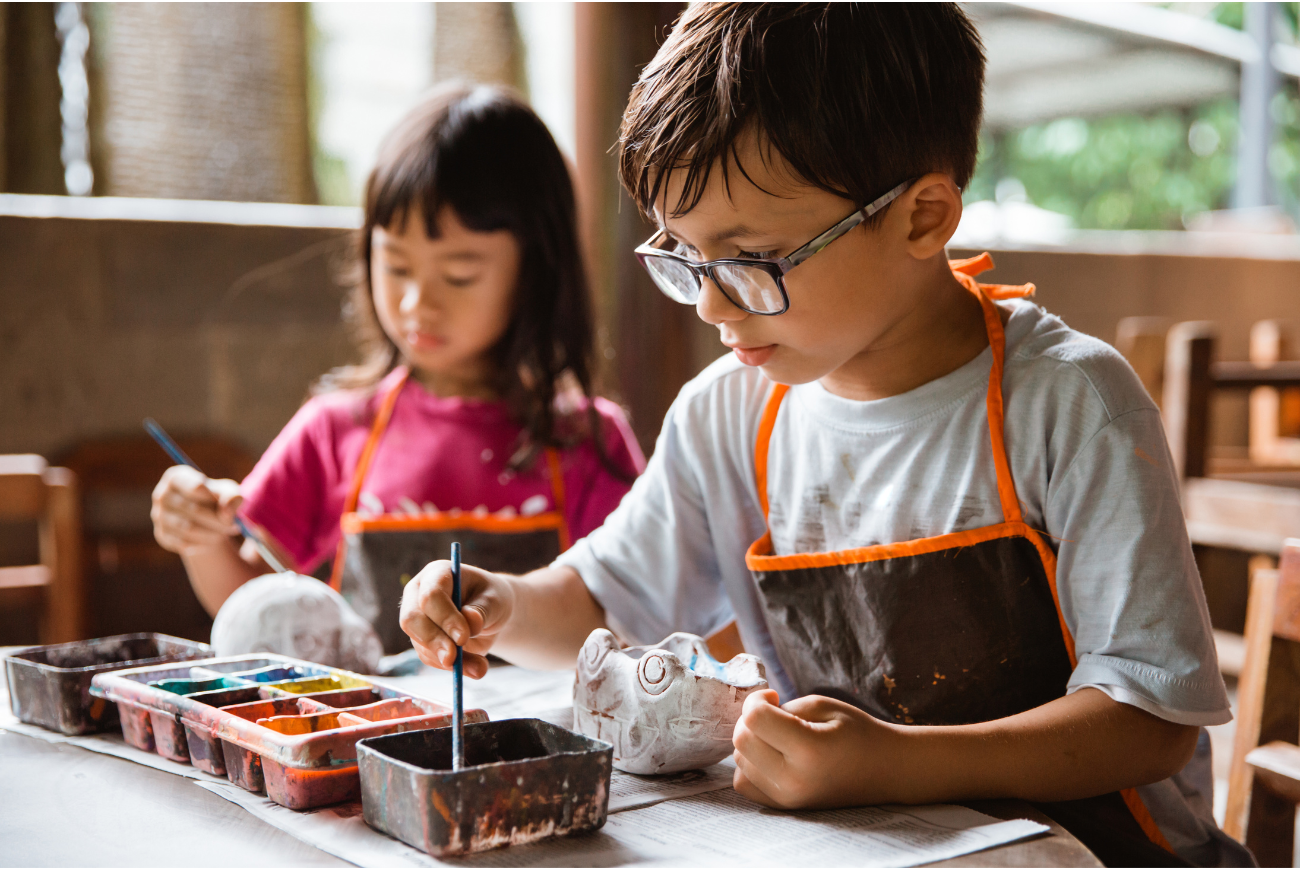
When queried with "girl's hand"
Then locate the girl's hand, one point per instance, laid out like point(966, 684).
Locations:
point(815, 752)
point(436, 628)
point(191, 512)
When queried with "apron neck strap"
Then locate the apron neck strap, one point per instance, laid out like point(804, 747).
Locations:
point(557, 494)
point(765, 426)
point(964, 271)
point(382, 416)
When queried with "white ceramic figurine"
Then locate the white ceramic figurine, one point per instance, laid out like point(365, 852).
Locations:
point(666, 708)
point(295, 616)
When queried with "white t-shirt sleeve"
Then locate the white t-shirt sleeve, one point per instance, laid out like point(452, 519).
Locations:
point(1128, 584)
point(653, 565)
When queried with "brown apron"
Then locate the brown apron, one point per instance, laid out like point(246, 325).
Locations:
point(954, 629)
point(378, 555)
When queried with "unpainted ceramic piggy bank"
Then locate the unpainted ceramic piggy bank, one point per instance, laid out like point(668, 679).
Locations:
point(666, 708)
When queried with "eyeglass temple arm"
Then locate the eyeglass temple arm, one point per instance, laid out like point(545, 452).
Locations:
point(844, 226)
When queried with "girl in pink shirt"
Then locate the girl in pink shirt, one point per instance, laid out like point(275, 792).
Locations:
point(472, 416)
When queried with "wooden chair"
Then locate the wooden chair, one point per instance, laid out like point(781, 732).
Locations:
point(1274, 413)
point(1268, 685)
point(136, 584)
point(1240, 507)
point(30, 490)
point(1141, 341)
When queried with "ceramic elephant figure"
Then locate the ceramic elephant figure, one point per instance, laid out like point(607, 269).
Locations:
point(666, 708)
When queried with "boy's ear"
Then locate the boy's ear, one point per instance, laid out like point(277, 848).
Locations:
point(931, 208)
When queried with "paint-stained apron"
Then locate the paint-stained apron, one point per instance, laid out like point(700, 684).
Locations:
point(378, 555)
point(949, 630)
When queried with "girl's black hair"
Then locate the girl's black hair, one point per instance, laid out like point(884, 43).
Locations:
point(485, 154)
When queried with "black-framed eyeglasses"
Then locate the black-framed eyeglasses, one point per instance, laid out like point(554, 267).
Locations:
point(755, 286)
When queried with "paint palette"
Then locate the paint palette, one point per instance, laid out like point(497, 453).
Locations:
point(523, 780)
point(269, 723)
point(50, 685)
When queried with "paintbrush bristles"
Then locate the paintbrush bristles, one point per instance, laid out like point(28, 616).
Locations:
point(457, 674)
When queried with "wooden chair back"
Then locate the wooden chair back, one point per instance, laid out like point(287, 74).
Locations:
point(1141, 341)
point(136, 584)
point(32, 490)
point(1274, 413)
point(1191, 375)
point(1273, 613)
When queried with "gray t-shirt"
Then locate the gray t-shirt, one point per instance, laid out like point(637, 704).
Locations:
point(1091, 468)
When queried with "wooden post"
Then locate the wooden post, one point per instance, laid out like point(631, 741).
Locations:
point(1186, 395)
point(653, 344)
point(64, 618)
point(31, 129)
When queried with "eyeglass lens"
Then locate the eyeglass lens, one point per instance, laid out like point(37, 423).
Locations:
point(752, 288)
point(675, 280)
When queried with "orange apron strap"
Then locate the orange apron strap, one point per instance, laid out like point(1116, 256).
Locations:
point(998, 343)
point(557, 493)
point(377, 429)
point(1143, 817)
point(372, 443)
point(765, 426)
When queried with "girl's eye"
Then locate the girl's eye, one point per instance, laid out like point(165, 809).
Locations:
point(457, 281)
point(397, 271)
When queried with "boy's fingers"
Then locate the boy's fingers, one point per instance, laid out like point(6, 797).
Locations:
point(749, 782)
point(426, 654)
point(476, 666)
point(421, 630)
point(774, 726)
point(757, 750)
point(816, 708)
point(475, 617)
point(432, 590)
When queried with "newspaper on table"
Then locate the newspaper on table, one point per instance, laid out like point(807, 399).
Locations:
point(716, 828)
point(692, 818)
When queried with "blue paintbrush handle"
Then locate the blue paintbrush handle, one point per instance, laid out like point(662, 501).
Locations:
point(178, 456)
point(457, 675)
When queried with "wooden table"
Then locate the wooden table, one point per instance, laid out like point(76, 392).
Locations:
point(63, 805)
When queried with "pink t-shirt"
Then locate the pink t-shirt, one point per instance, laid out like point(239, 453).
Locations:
point(435, 454)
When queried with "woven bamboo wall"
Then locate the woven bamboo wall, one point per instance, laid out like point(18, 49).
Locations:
point(205, 101)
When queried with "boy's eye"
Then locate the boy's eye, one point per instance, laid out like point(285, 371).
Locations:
point(758, 255)
point(684, 250)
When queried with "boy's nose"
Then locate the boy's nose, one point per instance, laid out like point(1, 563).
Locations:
point(713, 306)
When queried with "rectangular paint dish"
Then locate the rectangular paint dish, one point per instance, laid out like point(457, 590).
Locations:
point(523, 780)
point(50, 685)
point(269, 723)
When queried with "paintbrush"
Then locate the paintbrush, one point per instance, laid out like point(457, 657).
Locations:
point(457, 674)
point(174, 451)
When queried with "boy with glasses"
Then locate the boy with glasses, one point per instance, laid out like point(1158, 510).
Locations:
point(947, 523)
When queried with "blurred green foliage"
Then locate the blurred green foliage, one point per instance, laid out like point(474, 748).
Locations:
point(1139, 171)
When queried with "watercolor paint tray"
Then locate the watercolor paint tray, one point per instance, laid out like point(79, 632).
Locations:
point(269, 723)
point(524, 780)
point(49, 685)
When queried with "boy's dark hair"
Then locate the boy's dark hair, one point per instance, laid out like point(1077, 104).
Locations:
point(485, 154)
point(857, 97)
